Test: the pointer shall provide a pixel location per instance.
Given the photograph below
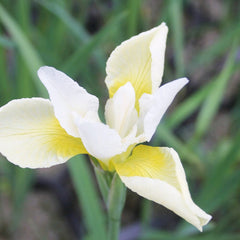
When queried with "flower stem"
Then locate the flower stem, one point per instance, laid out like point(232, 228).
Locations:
point(116, 200)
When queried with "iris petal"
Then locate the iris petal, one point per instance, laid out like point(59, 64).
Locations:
point(31, 136)
point(100, 141)
point(120, 111)
point(68, 98)
point(157, 174)
point(153, 107)
point(138, 60)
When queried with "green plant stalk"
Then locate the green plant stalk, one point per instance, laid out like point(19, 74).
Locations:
point(114, 194)
point(133, 16)
point(116, 201)
point(88, 198)
point(146, 213)
point(102, 182)
point(175, 10)
point(5, 90)
point(212, 103)
point(165, 133)
point(30, 56)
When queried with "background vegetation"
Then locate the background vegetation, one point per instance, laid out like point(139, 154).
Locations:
point(203, 125)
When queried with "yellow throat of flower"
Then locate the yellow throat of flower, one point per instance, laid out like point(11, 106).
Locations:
point(141, 84)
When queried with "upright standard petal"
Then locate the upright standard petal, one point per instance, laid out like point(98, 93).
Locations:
point(68, 98)
point(138, 60)
point(157, 174)
point(120, 112)
point(31, 136)
point(153, 107)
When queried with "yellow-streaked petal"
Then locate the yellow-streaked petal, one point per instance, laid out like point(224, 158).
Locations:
point(31, 136)
point(68, 99)
point(110, 165)
point(139, 60)
point(157, 174)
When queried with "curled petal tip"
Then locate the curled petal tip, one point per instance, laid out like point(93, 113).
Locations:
point(185, 80)
point(42, 69)
point(157, 174)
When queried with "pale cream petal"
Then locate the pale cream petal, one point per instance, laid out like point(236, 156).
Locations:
point(68, 98)
point(157, 49)
point(157, 174)
point(120, 112)
point(153, 107)
point(138, 60)
point(100, 141)
point(31, 136)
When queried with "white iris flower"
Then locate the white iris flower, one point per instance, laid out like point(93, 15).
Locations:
point(37, 132)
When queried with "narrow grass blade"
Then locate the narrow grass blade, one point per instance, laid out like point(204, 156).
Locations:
point(133, 16)
point(115, 204)
point(24, 81)
point(26, 49)
point(6, 87)
point(213, 101)
point(6, 42)
point(22, 182)
point(88, 198)
point(191, 104)
point(83, 53)
point(165, 135)
point(218, 177)
point(146, 213)
point(102, 182)
point(208, 55)
point(76, 28)
point(157, 235)
point(186, 108)
point(23, 13)
point(177, 30)
point(223, 191)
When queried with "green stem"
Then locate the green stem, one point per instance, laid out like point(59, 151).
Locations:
point(116, 200)
point(102, 182)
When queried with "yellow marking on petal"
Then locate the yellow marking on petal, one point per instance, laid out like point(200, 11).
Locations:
point(149, 162)
point(110, 165)
point(138, 60)
point(140, 79)
point(31, 136)
point(60, 142)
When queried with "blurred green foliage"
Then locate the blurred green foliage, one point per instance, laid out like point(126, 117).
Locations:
point(77, 38)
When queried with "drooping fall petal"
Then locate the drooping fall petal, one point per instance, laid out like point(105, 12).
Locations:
point(138, 60)
point(153, 107)
point(68, 99)
point(31, 136)
point(157, 174)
